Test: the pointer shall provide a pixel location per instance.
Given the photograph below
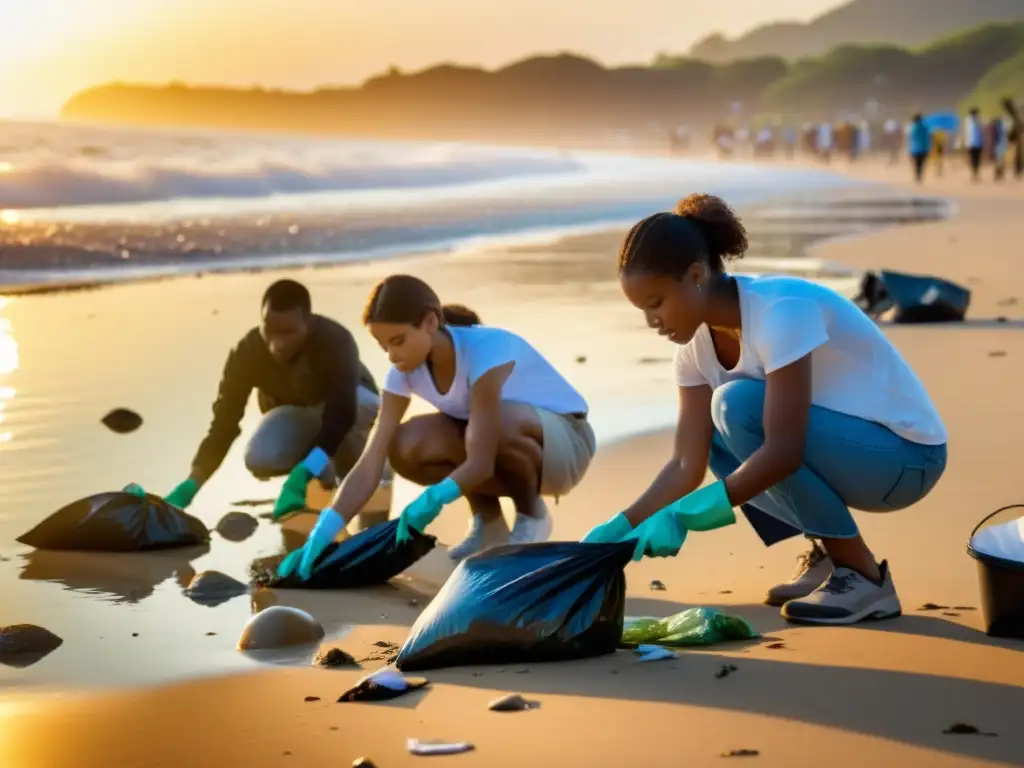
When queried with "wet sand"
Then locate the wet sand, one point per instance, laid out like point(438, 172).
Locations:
point(880, 693)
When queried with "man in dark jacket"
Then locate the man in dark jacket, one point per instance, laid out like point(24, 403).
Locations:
point(320, 402)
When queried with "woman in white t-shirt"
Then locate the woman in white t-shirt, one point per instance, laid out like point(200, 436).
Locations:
point(793, 397)
point(508, 424)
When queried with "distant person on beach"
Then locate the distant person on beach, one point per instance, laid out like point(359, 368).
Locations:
point(793, 397)
point(974, 142)
point(508, 424)
point(319, 401)
point(919, 144)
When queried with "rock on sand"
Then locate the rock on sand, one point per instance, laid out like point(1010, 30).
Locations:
point(25, 644)
point(279, 626)
point(237, 526)
point(213, 588)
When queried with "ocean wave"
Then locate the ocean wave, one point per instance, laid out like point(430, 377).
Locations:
point(50, 166)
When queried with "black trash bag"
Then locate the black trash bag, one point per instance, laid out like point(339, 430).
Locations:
point(923, 299)
point(117, 522)
point(873, 298)
point(368, 558)
point(524, 603)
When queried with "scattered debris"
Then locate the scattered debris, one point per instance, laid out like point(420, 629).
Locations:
point(135, 634)
point(210, 634)
point(122, 421)
point(253, 503)
point(360, 762)
point(650, 360)
point(725, 592)
point(512, 702)
point(725, 670)
point(655, 653)
point(22, 645)
point(237, 526)
point(964, 729)
point(933, 607)
point(212, 588)
point(964, 608)
point(418, 747)
point(382, 685)
point(657, 586)
point(776, 646)
point(521, 671)
point(950, 613)
point(335, 657)
point(997, 353)
point(311, 698)
point(581, 359)
point(741, 753)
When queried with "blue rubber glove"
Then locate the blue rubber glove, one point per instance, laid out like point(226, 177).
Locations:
point(293, 493)
point(617, 529)
point(327, 527)
point(705, 509)
point(182, 494)
point(425, 508)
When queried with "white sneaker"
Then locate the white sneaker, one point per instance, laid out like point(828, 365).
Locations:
point(532, 529)
point(475, 540)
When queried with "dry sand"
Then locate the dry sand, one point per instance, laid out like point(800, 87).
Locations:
point(874, 694)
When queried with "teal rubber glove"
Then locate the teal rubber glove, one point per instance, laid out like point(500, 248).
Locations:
point(426, 507)
point(660, 535)
point(293, 493)
point(705, 509)
point(301, 561)
point(617, 529)
point(182, 494)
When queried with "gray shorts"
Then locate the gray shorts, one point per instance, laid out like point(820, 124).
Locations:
point(286, 434)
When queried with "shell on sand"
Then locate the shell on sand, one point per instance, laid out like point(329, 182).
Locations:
point(279, 626)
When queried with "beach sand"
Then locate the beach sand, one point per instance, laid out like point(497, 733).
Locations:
point(873, 694)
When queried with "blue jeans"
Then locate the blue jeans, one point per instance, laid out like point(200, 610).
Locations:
point(848, 462)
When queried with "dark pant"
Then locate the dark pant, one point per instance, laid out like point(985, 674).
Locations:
point(919, 163)
point(975, 155)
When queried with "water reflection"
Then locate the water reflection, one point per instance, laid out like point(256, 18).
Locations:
point(116, 576)
point(8, 364)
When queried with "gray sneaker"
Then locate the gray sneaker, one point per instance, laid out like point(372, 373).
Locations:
point(812, 570)
point(846, 598)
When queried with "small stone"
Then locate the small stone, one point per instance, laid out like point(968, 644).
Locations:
point(135, 634)
point(211, 588)
point(965, 729)
point(581, 359)
point(725, 592)
point(933, 607)
point(237, 526)
point(279, 626)
point(1000, 319)
point(657, 586)
point(725, 670)
point(997, 353)
point(311, 698)
point(512, 702)
point(22, 645)
point(361, 762)
point(122, 421)
point(334, 657)
point(210, 634)
point(741, 753)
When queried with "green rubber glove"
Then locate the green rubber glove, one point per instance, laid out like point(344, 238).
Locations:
point(292, 497)
point(705, 509)
point(617, 529)
point(182, 494)
point(425, 508)
point(293, 493)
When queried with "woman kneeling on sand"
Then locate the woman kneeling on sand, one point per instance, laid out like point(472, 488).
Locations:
point(794, 398)
point(508, 424)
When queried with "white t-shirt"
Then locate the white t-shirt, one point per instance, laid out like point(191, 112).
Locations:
point(479, 349)
point(855, 369)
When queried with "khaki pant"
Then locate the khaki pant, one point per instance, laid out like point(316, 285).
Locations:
point(569, 446)
point(285, 436)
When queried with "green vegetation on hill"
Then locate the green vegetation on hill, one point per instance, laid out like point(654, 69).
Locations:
point(572, 98)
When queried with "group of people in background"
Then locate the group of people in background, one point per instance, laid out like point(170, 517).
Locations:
point(995, 141)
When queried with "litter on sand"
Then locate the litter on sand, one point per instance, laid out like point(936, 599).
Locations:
point(427, 748)
point(692, 627)
point(655, 653)
point(382, 685)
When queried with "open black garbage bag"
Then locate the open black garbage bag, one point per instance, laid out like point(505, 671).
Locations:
point(524, 603)
point(120, 521)
point(370, 557)
point(916, 298)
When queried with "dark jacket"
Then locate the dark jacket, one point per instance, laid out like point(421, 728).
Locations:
point(328, 371)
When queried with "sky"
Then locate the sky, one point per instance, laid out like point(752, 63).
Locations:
point(50, 49)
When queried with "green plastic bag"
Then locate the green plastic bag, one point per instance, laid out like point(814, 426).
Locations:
point(694, 626)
